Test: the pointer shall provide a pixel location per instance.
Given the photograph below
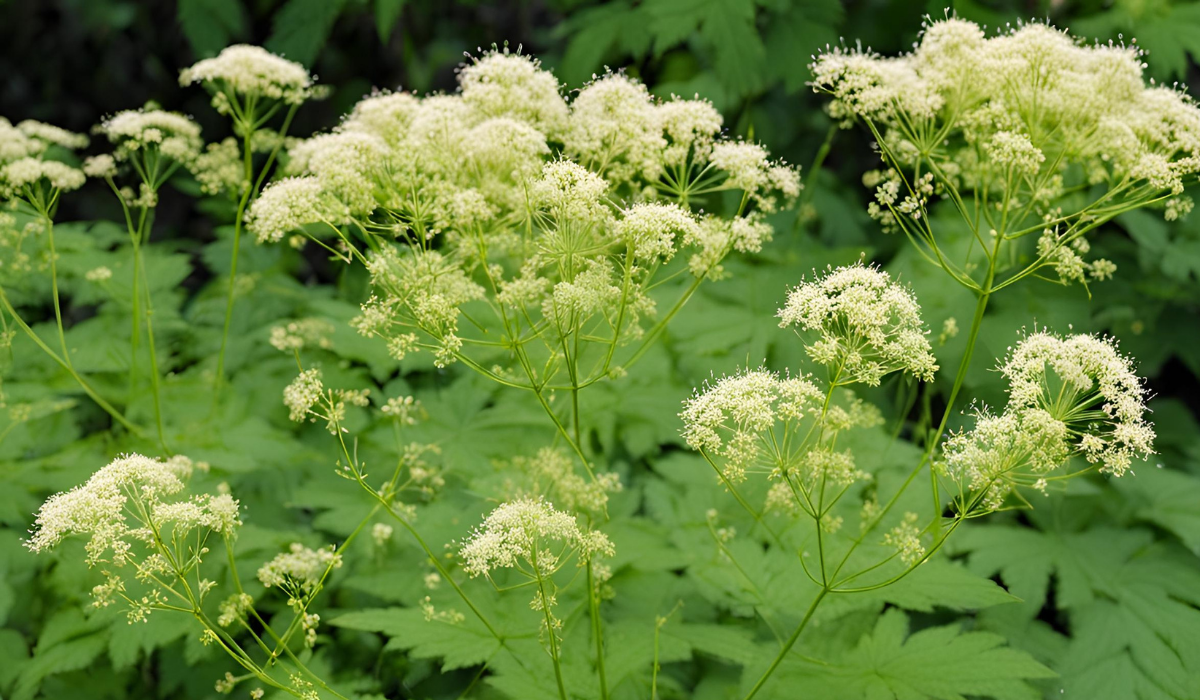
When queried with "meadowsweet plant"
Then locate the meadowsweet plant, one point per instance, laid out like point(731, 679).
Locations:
point(1035, 139)
point(534, 541)
point(1024, 132)
point(498, 251)
point(1075, 405)
point(259, 92)
point(520, 234)
point(152, 545)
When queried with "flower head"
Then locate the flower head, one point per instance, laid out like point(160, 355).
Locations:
point(53, 135)
point(690, 127)
point(733, 418)
point(1087, 384)
point(346, 164)
point(29, 171)
point(570, 191)
point(169, 133)
point(750, 171)
point(132, 500)
point(868, 325)
point(651, 229)
point(615, 127)
point(288, 204)
point(1068, 397)
point(299, 570)
point(523, 531)
point(504, 84)
point(251, 71)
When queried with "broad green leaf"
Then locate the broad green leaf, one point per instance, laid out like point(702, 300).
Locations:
point(940, 663)
point(458, 645)
point(301, 28)
point(211, 25)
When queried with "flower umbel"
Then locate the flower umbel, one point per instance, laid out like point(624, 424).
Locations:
point(867, 326)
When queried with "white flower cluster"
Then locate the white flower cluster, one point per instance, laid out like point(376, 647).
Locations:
point(552, 471)
point(1073, 396)
point(405, 410)
point(734, 418)
point(299, 570)
point(287, 205)
point(133, 500)
point(1084, 381)
point(756, 418)
point(867, 325)
point(32, 138)
point(307, 398)
point(521, 533)
point(135, 131)
point(22, 148)
point(305, 332)
point(19, 174)
point(543, 203)
point(906, 539)
point(1000, 105)
point(250, 71)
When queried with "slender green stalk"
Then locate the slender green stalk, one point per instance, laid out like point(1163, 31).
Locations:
point(62, 336)
point(597, 630)
point(140, 271)
point(787, 646)
point(551, 635)
point(87, 388)
point(248, 168)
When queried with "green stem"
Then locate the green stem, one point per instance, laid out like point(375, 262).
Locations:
point(597, 630)
point(87, 389)
point(140, 270)
point(247, 158)
point(62, 336)
point(551, 635)
point(787, 646)
point(136, 331)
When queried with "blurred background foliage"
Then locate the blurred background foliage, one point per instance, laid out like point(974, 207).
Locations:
point(1108, 573)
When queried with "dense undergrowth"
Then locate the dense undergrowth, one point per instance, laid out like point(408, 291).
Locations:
point(551, 310)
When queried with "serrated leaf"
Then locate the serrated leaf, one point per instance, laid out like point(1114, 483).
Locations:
point(940, 663)
point(129, 642)
point(68, 643)
point(458, 645)
point(210, 25)
point(1125, 603)
point(302, 27)
point(942, 584)
point(729, 29)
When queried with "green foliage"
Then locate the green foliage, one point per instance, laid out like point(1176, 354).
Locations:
point(1093, 594)
point(937, 662)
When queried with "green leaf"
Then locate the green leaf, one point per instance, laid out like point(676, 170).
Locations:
point(387, 12)
point(1168, 498)
point(302, 27)
point(741, 58)
point(792, 40)
point(1130, 605)
point(595, 32)
point(129, 642)
point(940, 663)
point(211, 25)
point(458, 645)
point(942, 584)
point(729, 29)
point(67, 643)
